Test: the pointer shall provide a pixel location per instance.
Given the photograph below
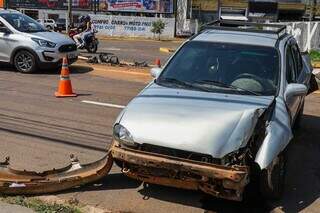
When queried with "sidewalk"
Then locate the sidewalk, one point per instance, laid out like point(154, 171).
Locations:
point(10, 208)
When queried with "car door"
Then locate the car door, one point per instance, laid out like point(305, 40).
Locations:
point(291, 77)
point(6, 50)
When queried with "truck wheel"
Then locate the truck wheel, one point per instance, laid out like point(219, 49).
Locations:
point(25, 62)
point(272, 179)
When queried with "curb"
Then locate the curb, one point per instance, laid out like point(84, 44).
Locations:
point(166, 50)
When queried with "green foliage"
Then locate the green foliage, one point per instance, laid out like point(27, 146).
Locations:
point(40, 206)
point(158, 27)
point(315, 55)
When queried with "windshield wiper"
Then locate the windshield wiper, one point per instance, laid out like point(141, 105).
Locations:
point(181, 83)
point(222, 84)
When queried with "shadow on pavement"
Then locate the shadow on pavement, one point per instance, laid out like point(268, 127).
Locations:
point(303, 168)
point(113, 181)
point(74, 69)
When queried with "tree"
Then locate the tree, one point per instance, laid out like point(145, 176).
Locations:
point(158, 27)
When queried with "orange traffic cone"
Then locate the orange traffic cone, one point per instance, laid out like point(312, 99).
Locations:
point(158, 63)
point(65, 87)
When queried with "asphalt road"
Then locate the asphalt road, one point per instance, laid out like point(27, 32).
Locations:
point(39, 131)
point(136, 50)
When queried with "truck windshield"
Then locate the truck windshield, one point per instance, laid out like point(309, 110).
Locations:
point(223, 67)
point(23, 23)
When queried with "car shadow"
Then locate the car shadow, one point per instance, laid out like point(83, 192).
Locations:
point(303, 168)
point(74, 69)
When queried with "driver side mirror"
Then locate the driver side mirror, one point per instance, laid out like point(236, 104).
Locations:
point(155, 72)
point(4, 30)
point(294, 90)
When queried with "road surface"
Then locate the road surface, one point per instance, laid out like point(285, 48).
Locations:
point(136, 50)
point(39, 131)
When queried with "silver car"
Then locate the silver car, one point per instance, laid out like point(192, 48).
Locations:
point(28, 45)
point(219, 115)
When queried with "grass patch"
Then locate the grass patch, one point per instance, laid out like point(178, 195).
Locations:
point(315, 55)
point(40, 206)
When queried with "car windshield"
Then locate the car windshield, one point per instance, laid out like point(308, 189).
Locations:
point(224, 68)
point(23, 23)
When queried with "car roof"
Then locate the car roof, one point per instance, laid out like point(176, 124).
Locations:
point(242, 32)
point(246, 38)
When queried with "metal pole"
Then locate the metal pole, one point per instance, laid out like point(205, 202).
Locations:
point(69, 16)
point(219, 9)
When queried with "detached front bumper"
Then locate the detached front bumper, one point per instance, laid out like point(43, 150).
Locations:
point(220, 181)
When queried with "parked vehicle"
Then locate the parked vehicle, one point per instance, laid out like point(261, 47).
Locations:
point(61, 25)
point(28, 45)
point(90, 41)
point(49, 24)
point(220, 114)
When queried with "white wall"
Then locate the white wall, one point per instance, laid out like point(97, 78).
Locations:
point(130, 26)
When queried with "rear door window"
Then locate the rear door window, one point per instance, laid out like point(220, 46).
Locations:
point(297, 59)
point(290, 66)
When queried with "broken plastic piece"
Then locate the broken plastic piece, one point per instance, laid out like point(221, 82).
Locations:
point(15, 182)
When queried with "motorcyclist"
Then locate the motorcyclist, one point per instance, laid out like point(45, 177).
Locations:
point(81, 28)
point(88, 28)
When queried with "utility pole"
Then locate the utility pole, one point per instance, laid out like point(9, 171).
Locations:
point(219, 9)
point(69, 16)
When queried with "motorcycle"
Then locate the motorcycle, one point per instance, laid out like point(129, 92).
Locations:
point(90, 41)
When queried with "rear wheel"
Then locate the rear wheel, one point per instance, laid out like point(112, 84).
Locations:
point(92, 47)
point(25, 62)
point(272, 179)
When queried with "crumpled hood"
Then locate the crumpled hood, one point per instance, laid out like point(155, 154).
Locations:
point(51, 36)
point(208, 123)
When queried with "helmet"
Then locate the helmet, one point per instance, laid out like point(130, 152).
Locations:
point(87, 18)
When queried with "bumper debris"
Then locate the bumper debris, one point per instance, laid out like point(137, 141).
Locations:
point(15, 182)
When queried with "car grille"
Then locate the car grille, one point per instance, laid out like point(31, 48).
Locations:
point(179, 153)
point(68, 48)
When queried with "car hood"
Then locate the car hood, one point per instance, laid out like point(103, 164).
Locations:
point(57, 38)
point(195, 121)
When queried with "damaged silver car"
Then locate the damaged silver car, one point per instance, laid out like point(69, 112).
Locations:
point(219, 114)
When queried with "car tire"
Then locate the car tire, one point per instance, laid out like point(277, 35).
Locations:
point(297, 122)
point(272, 179)
point(25, 62)
point(49, 28)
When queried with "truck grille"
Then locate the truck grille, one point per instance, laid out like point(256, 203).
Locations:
point(179, 153)
point(68, 48)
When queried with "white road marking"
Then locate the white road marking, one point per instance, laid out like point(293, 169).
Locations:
point(104, 104)
point(111, 49)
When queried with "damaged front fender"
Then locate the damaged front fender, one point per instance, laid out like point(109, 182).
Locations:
point(15, 182)
point(278, 136)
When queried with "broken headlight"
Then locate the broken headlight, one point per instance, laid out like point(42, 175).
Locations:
point(121, 134)
point(235, 158)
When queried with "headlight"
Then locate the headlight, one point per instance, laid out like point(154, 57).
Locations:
point(123, 135)
point(44, 43)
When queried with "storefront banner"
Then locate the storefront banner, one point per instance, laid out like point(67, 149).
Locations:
point(50, 4)
point(130, 26)
point(149, 6)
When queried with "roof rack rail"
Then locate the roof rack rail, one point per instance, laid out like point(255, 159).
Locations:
point(244, 26)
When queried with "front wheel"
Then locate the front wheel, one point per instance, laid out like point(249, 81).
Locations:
point(92, 47)
point(25, 62)
point(272, 179)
